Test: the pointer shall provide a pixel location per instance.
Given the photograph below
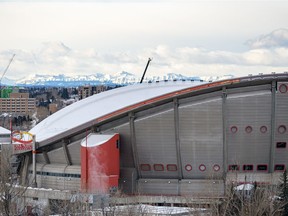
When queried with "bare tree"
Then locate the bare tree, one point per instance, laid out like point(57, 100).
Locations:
point(10, 191)
point(250, 201)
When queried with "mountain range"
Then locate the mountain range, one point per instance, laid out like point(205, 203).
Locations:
point(123, 78)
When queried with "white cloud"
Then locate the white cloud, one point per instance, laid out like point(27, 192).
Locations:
point(57, 58)
point(277, 38)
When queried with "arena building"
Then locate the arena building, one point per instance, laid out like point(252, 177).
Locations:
point(166, 138)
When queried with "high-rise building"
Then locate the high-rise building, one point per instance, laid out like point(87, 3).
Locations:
point(17, 103)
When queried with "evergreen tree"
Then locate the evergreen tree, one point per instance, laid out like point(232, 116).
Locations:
point(65, 94)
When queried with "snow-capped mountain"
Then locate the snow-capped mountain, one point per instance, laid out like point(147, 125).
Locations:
point(123, 78)
point(6, 81)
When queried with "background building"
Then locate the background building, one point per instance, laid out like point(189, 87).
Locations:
point(18, 102)
point(88, 90)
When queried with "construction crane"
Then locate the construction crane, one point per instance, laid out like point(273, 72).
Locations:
point(149, 60)
point(6, 69)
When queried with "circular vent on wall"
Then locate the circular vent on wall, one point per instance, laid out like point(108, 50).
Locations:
point(248, 129)
point(263, 129)
point(188, 167)
point(282, 129)
point(216, 167)
point(202, 167)
point(233, 129)
point(283, 88)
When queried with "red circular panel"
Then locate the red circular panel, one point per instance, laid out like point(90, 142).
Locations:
point(216, 167)
point(202, 167)
point(282, 129)
point(188, 167)
point(248, 129)
point(263, 129)
point(283, 88)
point(233, 129)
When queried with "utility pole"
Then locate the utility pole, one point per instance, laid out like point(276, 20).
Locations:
point(149, 60)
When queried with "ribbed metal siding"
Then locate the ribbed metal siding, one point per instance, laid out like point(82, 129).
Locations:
point(248, 109)
point(72, 183)
point(201, 137)
point(57, 156)
point(57, 182)
point(39, 167)
point(74, 151)
point(200, 188)
point(281, 118)
point(158, 186)
point(127, 181)
point(40, 158)
point(155, 140)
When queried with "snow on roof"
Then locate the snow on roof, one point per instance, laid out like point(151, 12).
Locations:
point(95, 140)
point(4, 131)
point(102, 104)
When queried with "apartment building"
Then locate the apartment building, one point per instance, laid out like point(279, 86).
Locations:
point(87, 90)
point(17, 103)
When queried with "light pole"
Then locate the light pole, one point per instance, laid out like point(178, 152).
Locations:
point(34, 182)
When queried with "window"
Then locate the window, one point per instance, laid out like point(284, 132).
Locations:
point(233, 167)
point(158, 167)
point(262, 167)
point(279, 167)
point(145, 167)
point(281, 145)
point(248, 167)
point(171, 167)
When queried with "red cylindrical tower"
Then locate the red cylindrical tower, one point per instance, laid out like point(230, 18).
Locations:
point(100, 163)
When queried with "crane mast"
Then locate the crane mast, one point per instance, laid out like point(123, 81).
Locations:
point(6, 69)
point(149, 60)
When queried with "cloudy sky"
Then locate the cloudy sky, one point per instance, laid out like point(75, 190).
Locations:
point(194, 38)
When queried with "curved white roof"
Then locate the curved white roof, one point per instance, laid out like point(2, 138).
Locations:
point(102, 104)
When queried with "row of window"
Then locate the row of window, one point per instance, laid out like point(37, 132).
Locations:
point(68, 175)
point(174, 168)
point(259, 167)
point(17, 102)
point(263, 129)
point(158, 167)
point(13, 105)
point(216, 167)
